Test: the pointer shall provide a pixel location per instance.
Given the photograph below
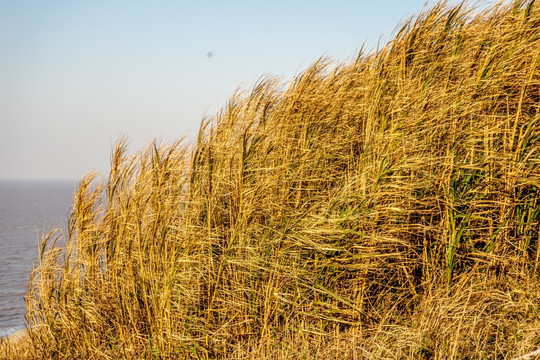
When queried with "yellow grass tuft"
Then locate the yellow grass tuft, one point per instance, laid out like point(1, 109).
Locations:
point(386, 207)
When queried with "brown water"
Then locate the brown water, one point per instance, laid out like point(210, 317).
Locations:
point(28, 209)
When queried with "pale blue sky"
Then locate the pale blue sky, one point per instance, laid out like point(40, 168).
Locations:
point(76, 75)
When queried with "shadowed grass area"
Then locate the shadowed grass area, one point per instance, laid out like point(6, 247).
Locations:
point(387, 207)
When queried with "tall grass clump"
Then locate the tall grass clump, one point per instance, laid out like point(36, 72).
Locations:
point(385, 207)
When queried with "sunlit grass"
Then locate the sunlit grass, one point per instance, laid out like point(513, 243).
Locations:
point(387, 207)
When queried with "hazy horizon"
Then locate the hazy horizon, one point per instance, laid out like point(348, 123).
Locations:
point(78, 76)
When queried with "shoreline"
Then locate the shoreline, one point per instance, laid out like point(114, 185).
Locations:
point(17, 336)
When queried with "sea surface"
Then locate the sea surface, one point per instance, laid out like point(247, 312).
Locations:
point(28, 210)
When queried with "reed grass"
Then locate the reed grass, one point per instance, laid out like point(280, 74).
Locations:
point(385, 207)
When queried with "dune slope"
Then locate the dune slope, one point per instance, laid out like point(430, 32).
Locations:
point(385, 207)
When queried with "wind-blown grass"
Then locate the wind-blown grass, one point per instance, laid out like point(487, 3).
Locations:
point(386, 207)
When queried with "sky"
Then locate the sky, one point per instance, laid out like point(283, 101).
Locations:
point(75, 76)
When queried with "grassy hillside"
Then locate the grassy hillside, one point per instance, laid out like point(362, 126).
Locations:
point(386, 207)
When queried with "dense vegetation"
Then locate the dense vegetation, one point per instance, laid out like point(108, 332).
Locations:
point(386, 207)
